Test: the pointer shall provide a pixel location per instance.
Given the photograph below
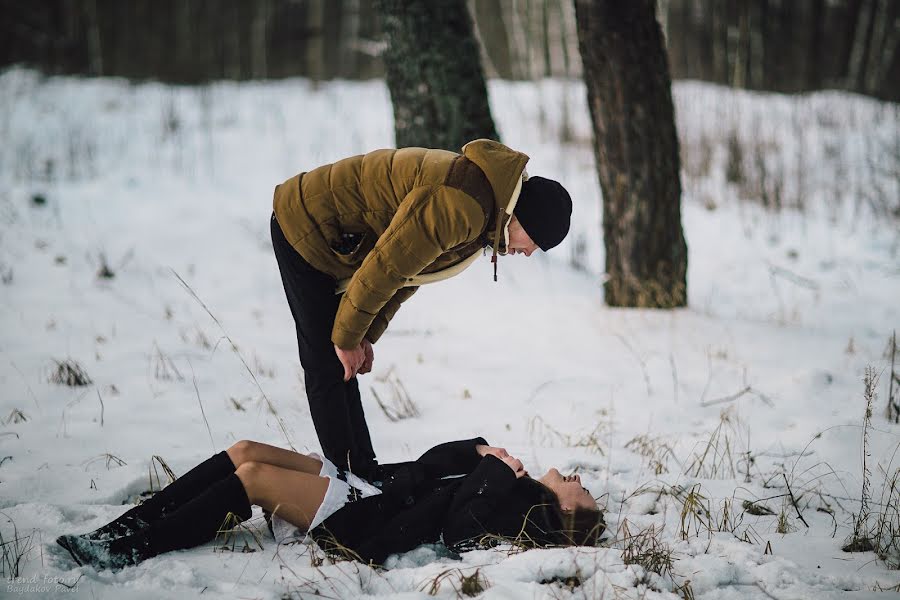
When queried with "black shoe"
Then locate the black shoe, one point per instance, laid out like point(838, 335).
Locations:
point(109, 554)
point(129, 523)
point(167, 500)
point(194, 523)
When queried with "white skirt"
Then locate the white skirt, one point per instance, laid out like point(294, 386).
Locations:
point(343, 487)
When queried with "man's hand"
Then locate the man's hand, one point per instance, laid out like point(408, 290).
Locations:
point(353, 360)
point(370, 357)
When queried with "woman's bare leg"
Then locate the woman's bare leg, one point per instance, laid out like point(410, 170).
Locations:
point(293, 495)
point(246, 451)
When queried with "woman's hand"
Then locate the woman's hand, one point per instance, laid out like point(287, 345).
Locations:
point(483, 451)
point(511, 461)
point(515, 464)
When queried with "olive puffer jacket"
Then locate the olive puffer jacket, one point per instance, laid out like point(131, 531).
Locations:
point(411, 216)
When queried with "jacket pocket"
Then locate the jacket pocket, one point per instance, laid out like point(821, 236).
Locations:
point(352, 248)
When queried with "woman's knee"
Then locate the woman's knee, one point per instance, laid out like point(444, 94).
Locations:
point(242, 452)
point(252, 475)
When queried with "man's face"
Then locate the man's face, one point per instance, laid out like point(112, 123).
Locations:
point(519, 241)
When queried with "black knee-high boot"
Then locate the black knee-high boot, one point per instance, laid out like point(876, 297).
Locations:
point(194, 523)
point(188, 486)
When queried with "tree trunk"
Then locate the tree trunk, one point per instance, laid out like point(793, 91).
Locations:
point(489, 16)
point(636, 149)
point(434, 74)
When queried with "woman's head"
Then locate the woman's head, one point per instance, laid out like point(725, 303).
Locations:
point(568, 489)
point(580, 518)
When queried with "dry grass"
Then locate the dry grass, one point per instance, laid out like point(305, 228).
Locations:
point(70, 373)
point(108, 458)
point(163, 367)
point(542, 433)
point(16, 416)
point(885, 532)
point(860, 540)
point(401, 405)
point(893, 398)
point(757, 509)
point(645, 548)
point(876, 525)
point(235, 535)
point(153, 472)
point(464, 585)
point(234, 348)
point(716, 458)
point(655, 450)
point(14, 551)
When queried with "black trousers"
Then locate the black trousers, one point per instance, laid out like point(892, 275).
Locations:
point(335, 406)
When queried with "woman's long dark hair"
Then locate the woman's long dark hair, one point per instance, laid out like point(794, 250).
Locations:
point(545, 523)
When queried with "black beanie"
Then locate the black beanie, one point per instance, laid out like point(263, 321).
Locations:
point(544, 210)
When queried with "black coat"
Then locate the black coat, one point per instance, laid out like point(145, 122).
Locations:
point(449, 493)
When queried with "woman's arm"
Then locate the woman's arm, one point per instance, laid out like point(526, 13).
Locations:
point(479, 499)
point(452, 458)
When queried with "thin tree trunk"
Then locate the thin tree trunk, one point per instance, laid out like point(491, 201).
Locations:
point(434, 74)
point(636, 150)
point(315, 45)
point(95, 50)
point(259, 40)
point(491, 25)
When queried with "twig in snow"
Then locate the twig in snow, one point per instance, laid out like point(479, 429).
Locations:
point(100, 398)
point(674, 377)
point(200, 402)
point(794, 501)
point(893, 406)
point(281, 425)
point(747, 390)
point(639, 359)
point(27, 385)
point(799, 280)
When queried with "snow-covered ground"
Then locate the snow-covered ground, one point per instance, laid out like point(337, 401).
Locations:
point(754, 392)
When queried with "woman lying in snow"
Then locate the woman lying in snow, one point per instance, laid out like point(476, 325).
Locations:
point(460, 492)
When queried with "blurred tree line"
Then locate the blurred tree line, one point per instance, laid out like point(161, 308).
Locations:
point(780, 45)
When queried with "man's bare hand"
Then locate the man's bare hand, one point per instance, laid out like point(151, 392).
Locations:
point(370, 357)
point(352, 360)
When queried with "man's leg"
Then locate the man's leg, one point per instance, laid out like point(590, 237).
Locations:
point(334, 405)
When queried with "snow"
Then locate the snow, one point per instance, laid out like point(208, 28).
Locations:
point(159, 181)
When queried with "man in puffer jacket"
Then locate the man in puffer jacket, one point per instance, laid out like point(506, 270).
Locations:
point(354, 239)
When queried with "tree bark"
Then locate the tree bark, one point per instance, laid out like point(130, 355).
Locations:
point(434, 74)
point(636, 150)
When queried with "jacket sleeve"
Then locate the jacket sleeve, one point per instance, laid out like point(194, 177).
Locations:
point(429, 221)
point(452, 458)
point(476, 501)
point(381, 320)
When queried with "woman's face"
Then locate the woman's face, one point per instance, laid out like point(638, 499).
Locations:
point(569, 490)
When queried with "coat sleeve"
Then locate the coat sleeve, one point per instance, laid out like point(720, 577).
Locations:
point(452, 458)
point(477, 501)
point(429, 221)
point(387, 312)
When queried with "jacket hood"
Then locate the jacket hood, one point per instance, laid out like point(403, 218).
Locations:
point(505, 171)
point(502, 166)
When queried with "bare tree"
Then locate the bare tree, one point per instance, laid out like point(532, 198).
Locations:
point(434, 74)
point(636, 150)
